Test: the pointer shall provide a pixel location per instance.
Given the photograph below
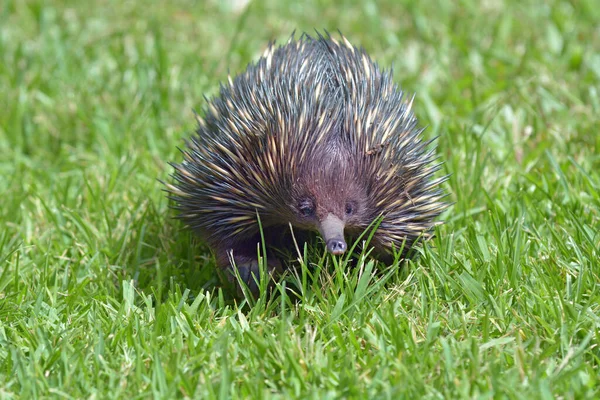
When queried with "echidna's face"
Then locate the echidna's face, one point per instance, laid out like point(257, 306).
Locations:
point(331, 201)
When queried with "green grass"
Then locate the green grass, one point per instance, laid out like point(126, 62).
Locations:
point(103, 295)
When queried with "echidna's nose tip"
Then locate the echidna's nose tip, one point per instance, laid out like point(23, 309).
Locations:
point(336, 246)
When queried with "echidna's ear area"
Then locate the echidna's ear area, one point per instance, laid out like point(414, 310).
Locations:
point(268, 123)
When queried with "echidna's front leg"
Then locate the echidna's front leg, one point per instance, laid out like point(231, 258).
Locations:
point(243, 257)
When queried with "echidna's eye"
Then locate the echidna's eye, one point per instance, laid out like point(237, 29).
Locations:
point(307, 208)
point(349, 208)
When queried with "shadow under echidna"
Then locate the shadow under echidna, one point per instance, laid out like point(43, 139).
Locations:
point(314, 136)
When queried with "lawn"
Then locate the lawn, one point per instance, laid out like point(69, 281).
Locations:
point(104, 295)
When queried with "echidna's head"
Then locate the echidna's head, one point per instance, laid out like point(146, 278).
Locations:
point(329, 195)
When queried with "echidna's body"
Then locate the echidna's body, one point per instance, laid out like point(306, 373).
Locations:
point(314, 135)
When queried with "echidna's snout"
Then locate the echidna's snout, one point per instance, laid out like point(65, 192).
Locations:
point(336, 246)
point(332, 230)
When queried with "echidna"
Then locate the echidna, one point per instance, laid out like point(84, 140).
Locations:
point(315, 136)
